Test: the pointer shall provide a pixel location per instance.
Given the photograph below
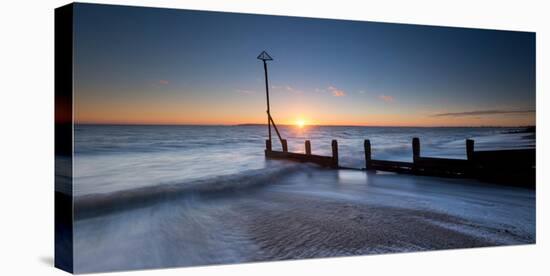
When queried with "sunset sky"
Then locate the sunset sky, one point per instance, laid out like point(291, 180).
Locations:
point(161, 66)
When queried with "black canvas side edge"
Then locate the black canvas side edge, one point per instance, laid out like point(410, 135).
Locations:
point(64, 138)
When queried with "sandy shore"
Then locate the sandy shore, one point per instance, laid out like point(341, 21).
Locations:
point(314, 213)
point(319, 228)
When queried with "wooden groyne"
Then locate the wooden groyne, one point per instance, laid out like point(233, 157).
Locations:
point(421, 164)
point(324, 161)
point(515, 167)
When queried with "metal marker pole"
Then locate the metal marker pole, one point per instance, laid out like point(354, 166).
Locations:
point(267, 96)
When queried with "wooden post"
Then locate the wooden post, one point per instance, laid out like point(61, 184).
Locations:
point(367, 154)
point(470, 150)
point(308, 147)
point(285, 145)
point(334, 153)
point(268, 145)
point(416, 149)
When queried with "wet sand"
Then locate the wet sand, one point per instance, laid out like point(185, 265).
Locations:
point(320, 228)
point(314, 213)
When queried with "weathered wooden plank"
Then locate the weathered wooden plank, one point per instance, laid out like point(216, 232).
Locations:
point(325, 161)
point(268, 145)
point(390, 166)
point(519, 158)
point(469, 149)
point(334, 145)
point(416, 148)
point(390, 163)
point(442, 166)
point(441, 162)
point(368, 154)
point(284, 145)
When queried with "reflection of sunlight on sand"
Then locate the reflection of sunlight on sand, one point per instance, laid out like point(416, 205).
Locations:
point(352, 177)
point(358, 177)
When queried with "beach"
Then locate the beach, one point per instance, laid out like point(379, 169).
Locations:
point(184, 199)
point(311, 213)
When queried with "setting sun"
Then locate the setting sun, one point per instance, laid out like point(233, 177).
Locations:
point(300, 123)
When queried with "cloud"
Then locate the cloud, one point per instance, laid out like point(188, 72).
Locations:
point(286, 88)
point(336, 92)
point(164, 82)
point(245, 92)
point(483, 112)
point(386, 98)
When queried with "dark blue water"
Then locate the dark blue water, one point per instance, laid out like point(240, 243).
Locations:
point(112, 158)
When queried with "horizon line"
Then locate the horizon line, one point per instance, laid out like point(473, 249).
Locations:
point(305, 126)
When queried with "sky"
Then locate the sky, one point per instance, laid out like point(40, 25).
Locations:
point(136, 65)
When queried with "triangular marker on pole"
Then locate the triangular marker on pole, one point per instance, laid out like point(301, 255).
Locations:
point(264, 56)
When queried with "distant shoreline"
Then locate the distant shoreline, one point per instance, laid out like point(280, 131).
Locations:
point(527, 127)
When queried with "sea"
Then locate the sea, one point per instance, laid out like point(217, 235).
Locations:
point(121, 157)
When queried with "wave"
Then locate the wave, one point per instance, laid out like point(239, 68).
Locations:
point(97, 204)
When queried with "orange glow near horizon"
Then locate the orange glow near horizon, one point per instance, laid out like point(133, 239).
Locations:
point(297, 113)
point(367, 120)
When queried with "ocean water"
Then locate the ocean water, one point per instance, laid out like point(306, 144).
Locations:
point(166, 196)
point(112, 158)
